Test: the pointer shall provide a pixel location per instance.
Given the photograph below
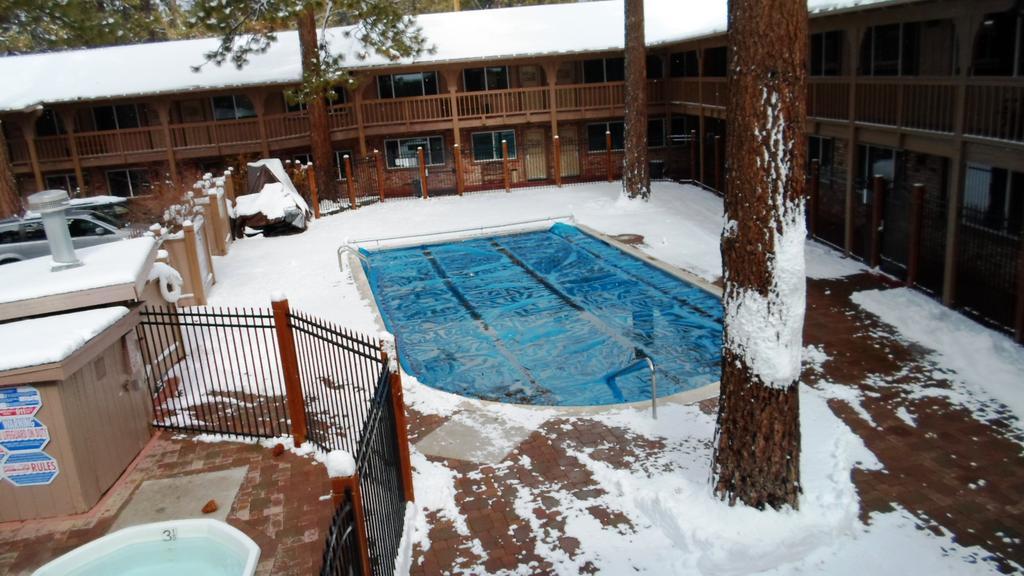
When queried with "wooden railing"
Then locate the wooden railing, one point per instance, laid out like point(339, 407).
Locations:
point(992, 108)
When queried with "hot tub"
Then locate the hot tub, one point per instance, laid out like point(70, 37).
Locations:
point(196, 547)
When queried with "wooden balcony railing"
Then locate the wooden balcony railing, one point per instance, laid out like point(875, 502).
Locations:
point(992, 108)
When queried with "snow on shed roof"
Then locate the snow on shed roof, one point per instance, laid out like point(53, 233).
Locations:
point(165, 67)
point(52, 338)
point(116, 263)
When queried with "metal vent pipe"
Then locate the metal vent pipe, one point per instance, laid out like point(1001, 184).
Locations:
point(51, 206)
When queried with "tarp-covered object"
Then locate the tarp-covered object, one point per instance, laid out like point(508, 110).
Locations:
point(272, 204)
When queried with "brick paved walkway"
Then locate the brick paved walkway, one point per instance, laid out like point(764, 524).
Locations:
point(278, 505)
point(932, 470)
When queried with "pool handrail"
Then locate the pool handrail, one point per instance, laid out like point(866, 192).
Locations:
point(348, 248)
point(569, 217)
point(654, 380)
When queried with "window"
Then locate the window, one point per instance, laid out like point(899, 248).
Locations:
point(117, 117)
point(128, 182)
point(596, 136)
point(490, 78)
point(716, 62)
point(33, 232)
point(655, 132)
point(604, 70)
point(401, 153)
point(684, 65)
point(232, 107)
point(487, 145)
point(654, 71)
point(827, 53)
point(999, 39)
point(339, 162)
point(909, 49)
point(407, 85)
point(49, 123)
point(10, 234)
point(681, 127)
point(820, 149)
point(994, 198)
point(65, 182)
point(79, 228)
point(877, 161)
point(302, 159)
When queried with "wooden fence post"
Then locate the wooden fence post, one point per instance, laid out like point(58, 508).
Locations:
point(421, 160)
point(718, 163)
point(914, 241)
point(348, 487)
point(504, 164)
point(558, 161)
point(812, 199)
point(350, 180)
point(457, 158)
point(229, 185)
point(608, 153)
point(314, 192)
point(290, 369)
point(401, 430)
point(877, 198)
point(693, 156)
point(193, 256)
point(379, 162)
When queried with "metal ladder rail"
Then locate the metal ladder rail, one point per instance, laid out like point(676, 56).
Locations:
point(346, 248)
point(654, 380)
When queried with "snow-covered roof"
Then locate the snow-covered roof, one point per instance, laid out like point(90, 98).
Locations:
point(121, 263)
point(529, 31)
point(52, 339)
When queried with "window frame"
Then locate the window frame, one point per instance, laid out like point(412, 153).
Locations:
point(423, 85)
point(339, 162)
point(428, 156)
point(607, 128)
point(487, 83)
point(70, 180)
point(131, 189)
point(495, 145)
point(604, 70)
point(117, 120)
point(664, 136)
point(234, 108)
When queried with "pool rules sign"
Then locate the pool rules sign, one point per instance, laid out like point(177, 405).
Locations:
point(22, 439)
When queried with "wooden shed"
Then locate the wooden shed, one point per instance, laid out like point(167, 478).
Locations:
point(74, 410)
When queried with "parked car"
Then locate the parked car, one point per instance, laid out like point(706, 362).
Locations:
point(24, 238)
point(113, 207)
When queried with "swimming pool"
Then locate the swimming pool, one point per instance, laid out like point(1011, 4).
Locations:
point(544, 318)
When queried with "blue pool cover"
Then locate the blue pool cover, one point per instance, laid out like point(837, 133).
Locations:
point(544, 318)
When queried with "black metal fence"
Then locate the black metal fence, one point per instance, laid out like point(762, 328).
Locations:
point(220, 371)
point(214, 370)
point(988, 266)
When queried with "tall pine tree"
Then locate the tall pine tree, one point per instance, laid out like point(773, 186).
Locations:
point(249, 27)
point(757, 457)
point(636, 177)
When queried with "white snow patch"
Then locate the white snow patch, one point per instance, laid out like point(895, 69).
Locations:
point(51, 339)
point(403, 558)
point(986, 362)
point(340, 464)
point(824, 263)
point(903, 414)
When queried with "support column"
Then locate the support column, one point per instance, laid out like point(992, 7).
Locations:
point(67, 116)
point(290, 369)
point(28, 130)
point(259, 103)
point(357, 108)
point(163, 110)
point(451, 78)
point(851, 141)
point(551, 76)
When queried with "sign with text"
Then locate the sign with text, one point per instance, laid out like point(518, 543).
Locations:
point(22, 434)
point(30, 469)
point(19, 401)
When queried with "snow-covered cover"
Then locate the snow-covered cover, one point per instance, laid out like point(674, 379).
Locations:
point(165, 67)
point(112, 264)
point(277, 169)
point(272, 201)
point(49, 339)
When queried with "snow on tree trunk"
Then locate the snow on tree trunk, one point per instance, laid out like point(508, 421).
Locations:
point(757, 457)
point(10, 201)
point(319, 124)
point(636, 179)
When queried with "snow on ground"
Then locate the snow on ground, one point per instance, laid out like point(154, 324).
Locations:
point(985, 363)
point(679, 526)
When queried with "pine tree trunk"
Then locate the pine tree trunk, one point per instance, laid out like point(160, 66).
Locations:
point(10, 200)
point(319, 125)
point(636, 179)
point(757, 457)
